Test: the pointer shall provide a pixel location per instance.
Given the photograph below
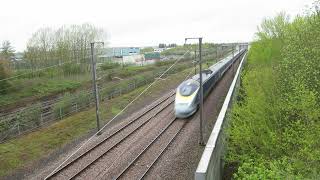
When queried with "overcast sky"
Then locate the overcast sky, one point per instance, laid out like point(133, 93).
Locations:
point(144, 22)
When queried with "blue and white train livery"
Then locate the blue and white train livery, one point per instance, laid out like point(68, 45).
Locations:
point(187, 94)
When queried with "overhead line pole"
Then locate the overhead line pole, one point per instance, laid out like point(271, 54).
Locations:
point(201, 93)
point(195, 62)
point(201, 138)
point(94, 82)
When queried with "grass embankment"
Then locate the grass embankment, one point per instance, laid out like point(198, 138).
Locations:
point(24, 150)
point(275, 124)
point(39, 84)
point(55, 81)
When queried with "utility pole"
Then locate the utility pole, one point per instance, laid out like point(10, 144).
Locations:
point(201, 94)
point(95, 88)
point(232, 50)
point(195, 62)
point(217, 54)
point(121, 58)
point(201, 139)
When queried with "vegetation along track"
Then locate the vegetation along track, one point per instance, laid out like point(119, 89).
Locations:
point(77, 166)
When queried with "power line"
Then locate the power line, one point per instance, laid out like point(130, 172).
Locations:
point(117, 114)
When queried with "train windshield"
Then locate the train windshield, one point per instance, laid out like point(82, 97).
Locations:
point(187, 88)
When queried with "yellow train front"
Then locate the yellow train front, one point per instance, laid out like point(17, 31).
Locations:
point(187, 98)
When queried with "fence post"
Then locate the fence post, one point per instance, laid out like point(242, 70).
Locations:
point(60, 112)
point(18, 128)
point(41, 119)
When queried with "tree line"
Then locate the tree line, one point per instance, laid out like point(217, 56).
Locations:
point(6, 54)
point(49, 46)
point(275, 123)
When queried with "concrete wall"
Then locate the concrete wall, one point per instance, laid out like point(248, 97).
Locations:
point(211, 164)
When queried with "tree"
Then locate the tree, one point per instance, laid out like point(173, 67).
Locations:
point(162, 45)
point(147, 49)
point(273, 28)
point(6, 54)
point(172, 45)
point(50, 46)
point(7, 51)
point(4, 73)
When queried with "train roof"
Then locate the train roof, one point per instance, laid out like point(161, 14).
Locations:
point(213, 69)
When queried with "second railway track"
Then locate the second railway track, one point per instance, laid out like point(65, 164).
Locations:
point(136, 136)
point(139, 166)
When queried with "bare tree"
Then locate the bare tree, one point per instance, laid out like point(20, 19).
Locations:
point(6, 50)
point(48, 46)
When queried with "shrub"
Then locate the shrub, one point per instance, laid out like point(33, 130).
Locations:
point(275, 127)
point(4, 73)
point(29, 117)
point(71, 69)
point(63, 106)
point(109, 65)
point(83, 99)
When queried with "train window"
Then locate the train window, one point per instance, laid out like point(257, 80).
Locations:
point(187, 88)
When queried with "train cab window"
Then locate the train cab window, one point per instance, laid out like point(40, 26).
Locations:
point(188, 88)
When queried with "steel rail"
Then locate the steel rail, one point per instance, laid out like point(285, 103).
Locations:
point(145, 149)
point(162, 151)
point(117, 143)
point(110, 136)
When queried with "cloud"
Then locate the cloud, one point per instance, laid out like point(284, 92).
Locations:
point(144, 22)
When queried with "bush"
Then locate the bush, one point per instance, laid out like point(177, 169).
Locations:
point(63, 106)
point(83, 99)
point(4, 73)
point(30, 116)
point(109, 65)
point(255, 169)
point(275, 127)
point(72, 68)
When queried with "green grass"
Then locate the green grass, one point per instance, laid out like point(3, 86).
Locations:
point(46, 83)
point(26, 149)
point(39, 89)
point(72, 77)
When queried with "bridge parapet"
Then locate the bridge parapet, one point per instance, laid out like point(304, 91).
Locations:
point(211, 164)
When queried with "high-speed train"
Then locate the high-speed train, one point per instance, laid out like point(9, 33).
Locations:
point(187, 94)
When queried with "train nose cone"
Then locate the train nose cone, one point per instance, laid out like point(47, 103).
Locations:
point(183, 110)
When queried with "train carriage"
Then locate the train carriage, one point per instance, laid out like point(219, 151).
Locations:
point(187, 94)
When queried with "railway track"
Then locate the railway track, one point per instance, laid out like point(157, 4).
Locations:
point(141, 164)
point(82, 165)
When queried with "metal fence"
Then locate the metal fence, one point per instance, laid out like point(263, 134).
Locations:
point(38, 115)
point(211, 163)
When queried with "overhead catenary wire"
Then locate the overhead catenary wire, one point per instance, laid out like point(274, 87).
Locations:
point(57, 100)
point(87, 92)
point(39, 70)
point(86, 142)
